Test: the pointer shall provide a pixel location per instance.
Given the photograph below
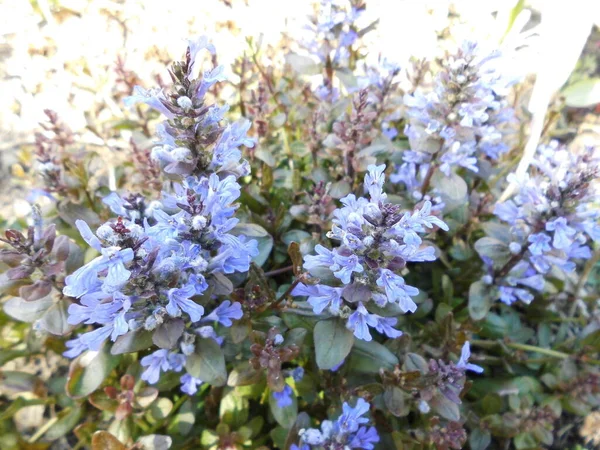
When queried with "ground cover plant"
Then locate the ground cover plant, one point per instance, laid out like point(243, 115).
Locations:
point(371, 261)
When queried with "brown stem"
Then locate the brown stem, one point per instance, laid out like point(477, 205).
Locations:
point(288, 291)
point(427, 180)
point(272, 273)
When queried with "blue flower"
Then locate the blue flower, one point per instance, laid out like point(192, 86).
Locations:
point(464, 363)
point(346, 432)
point(160, 360)
point(324, 257)
point(297, 374)
point(284, 398)
point(365, 438)
point(351, 418)
point(562, 233)
point(397, 291)
point(179, 300)
point(360, 321)
point(190, 384)
point(344, 266)
point(540, 243)
point(385, 325)
point(225, 312)
point(320, 296)
point(154, 98)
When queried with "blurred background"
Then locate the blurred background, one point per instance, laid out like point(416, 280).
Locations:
point(71, 55)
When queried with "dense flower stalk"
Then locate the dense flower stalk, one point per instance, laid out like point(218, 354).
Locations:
point(348, 431)
point(158, 259)
point(458, 122)
point(552, 218)
point(376, 241)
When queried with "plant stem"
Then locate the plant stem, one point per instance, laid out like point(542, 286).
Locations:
point(281, 270)
point(543, 351)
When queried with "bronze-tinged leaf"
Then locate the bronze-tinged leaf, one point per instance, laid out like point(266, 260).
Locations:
point(35, 291)
point(167, 334)
point(123, 410)
point(127, 382)
point(296, 257)
point(103, 440)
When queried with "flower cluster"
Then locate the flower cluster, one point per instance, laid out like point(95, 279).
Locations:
point(348, 431)
point(330, 37)
point(457, 121)
point(157, 261)
point(552, 219)
point(448, 379)
point(193, 139)
point(376, 241)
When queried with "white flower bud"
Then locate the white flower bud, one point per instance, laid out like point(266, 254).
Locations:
point(182, 154)
point(106, 233)
point(424, 407)
point(185, 103)
point(514, 247)
point(198, 222)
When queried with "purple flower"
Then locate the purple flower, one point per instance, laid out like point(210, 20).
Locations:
point(161, 360)
point(397, 291)
point(190, 384)
point(540, 243)
point(179, 300)
point(360, 321)
point(320, 296)
point(225, 312)
point(284, 398)
point(562, 233)
point(351, 417)
point(463, 362)
point(365, 438)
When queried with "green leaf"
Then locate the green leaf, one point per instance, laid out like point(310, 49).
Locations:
point(414, 363)
point(167, 334)
point(155, 442)
point(54, 321)
point(453, 189)
point(184, 420)
point(333, 342)
point(160, 409)
point(20, 402)
point(445, 407)
point(304, 65)
point(19, 309)
point(525, 441)
point(480, 300)
point(370, 357)
point(492, 248)
point(103, 440)
point(244, 375)
point(264, 239)
point(498, 231)
point(583, 93)
point(492, 403)
point(302, 422)
point(340, 189)
point(88, 371)
point(479, 439)
point(286, 417)
point(394, 401)
point(67, 419)
point(234, 408)
point(207, 363)
point(134, 341)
